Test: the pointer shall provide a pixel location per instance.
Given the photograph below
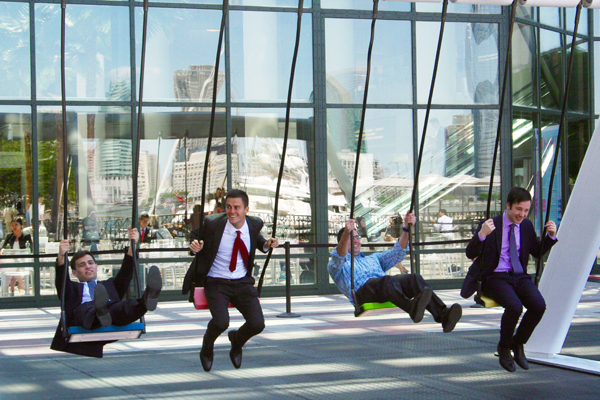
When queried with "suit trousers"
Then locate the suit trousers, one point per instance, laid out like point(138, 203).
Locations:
point(513, 291)
point(399, 289)
point(243, 295)
point(122, 313)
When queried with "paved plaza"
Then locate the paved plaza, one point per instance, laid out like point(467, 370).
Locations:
point(324, 354)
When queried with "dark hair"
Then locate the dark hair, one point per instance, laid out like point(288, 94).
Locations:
point(18, 220)
point(144, 214)
point(238, 194)
point(443, 210)
point(340, 233)
point(517, 195)
point(78, 255)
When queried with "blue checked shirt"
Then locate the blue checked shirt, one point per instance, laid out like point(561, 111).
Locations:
point(365, 268)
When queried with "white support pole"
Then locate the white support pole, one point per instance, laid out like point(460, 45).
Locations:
point(569, 265)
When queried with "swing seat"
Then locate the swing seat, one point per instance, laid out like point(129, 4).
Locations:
point(365, 309)
point(200, 302)
point(78, 334)
point(486, 301)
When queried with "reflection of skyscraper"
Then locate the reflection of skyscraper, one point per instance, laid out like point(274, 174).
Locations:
point(115, 169)
point(196, 84)
point(147, 175)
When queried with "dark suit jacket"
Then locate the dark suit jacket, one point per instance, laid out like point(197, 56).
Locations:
point(211, 234)
point(116, 288)
point(11, 238)
point(149, 236)
point(489, 251)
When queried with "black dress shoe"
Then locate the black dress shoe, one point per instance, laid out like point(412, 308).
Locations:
point(153, 287)
point(506, 359)
point(206, 358)
point(101, 300)
point(419, 303)
point(235, 354)
point(451, 317)
point(519, 356)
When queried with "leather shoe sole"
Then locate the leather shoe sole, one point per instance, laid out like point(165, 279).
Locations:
point(419, 304)
point(101, 301)
point(153, 287)
point(452, 318)
point(235, 354)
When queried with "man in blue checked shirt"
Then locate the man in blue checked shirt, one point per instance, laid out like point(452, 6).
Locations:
point(409, 292)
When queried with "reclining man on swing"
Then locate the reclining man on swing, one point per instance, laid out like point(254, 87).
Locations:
point(500, 250)
point(409, 292)
point(91, 303)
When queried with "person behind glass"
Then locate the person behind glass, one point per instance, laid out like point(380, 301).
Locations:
point(504, 243)
point(91, 233)
point(146, 233)
point(409, 292)
point(16, 240)
point(393, 231)
point(91, 303)
point(444, 224)
point(224, 258)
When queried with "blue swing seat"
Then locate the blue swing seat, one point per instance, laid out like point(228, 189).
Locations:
point(78, 334)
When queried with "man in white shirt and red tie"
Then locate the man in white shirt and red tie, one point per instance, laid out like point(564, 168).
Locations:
point(146, 234)
point(224, 251)
point(500, 249)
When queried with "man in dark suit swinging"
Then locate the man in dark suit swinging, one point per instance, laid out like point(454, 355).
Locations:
point(224, 251)
point(504, 243)
point(92, 303)
point(147, 234)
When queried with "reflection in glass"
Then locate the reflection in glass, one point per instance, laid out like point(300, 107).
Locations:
point(262, 47)
point(15, 64)
point(553, 16)
point(180, 54)
point(583, 20)
point(524, 67)
point(96, 51)
point(469, 61)
point(460, 8)
point(579, 92)
point(347, 43)
point(551, 68)
point(365, 5)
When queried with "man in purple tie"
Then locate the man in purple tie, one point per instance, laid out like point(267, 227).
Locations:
point(500, 249)
point(224, 251)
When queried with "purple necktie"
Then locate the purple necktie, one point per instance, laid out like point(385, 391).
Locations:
point(514, 254)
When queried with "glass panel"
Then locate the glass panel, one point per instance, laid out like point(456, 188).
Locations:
point(15, 64)
point(459, 8)
point(99, 175)
point(579, 92)
point(550, 127)
point(524, 67)
point(455, 171)
point(525, 150)
point(552, 16)
point(551, 68)
point(384, 184)
point(262, 49)
point(179, 69)
point(16, 192)
point(274, 3)
point(597, 77)
point(579, 137)
point(468, 67)
point(583, 20)
point(529, 13)
point(97, 52)
point(596, 14)
point(366, 5)
point(347, 43)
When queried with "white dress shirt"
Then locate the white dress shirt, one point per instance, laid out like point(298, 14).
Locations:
point(220, 267)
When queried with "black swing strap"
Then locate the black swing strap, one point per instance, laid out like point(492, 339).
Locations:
point(497, 142)
point(561, 130)
point(358, 145)
point(413, 200)
point(285, 141)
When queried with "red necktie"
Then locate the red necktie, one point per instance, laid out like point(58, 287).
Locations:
point(143, 232)
point(238, 245)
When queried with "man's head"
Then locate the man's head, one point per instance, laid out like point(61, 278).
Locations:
point(518, 203)
point(236, 207)
point(357, 244)
point(83, 266)
point(441, 212)
point(144, 219)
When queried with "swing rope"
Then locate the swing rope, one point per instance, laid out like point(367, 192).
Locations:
point(285, 141)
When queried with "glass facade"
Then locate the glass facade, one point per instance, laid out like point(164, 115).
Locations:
point(103, 45)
